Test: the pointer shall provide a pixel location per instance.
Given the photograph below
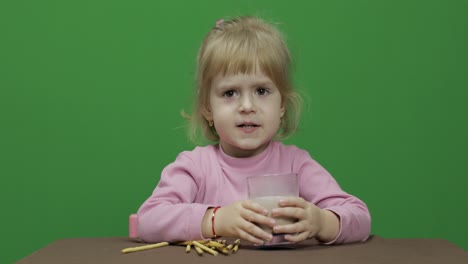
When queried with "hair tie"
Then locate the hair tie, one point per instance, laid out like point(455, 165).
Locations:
point(219, 23)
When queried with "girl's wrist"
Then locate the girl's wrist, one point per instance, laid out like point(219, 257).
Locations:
point(206, 223)
point(214, 222)
point(329, 226)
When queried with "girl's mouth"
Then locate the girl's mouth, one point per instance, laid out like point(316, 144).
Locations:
point(248, 125)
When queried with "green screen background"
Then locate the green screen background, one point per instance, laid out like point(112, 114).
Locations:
point(91, 93)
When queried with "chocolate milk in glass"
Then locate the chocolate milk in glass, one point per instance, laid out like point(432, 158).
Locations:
point(270, 203)
point(268, 190)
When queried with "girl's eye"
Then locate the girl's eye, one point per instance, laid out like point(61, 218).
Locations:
point(229, 93)
point(262, 91)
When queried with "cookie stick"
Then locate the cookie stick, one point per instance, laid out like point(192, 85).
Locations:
point(140, 248)
point(207, 249)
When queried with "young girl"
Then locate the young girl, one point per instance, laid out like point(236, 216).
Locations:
point(245, 100)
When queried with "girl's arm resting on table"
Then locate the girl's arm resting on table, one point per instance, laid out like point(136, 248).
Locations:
point(171, 223)
point(354, 222)
point(321, 189)
point(170, 213)
point(330, 228)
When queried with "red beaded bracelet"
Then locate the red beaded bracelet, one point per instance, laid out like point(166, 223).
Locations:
point(212, 220)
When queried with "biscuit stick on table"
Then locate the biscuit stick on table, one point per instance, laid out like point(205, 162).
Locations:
point(210, 246)
point(207, 249)
point(199, 250)
point(135, 249)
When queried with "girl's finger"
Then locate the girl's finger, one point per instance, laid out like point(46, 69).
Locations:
point(297, 237)
point(297, 227)
point(248, 237)
point(292, 212)
point(254, 217)
point(253, 206)
point(255, 234)
point(293, 202)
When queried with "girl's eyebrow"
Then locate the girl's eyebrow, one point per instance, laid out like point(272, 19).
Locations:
point(225, 86)
point(264, 83)
point(228, 85)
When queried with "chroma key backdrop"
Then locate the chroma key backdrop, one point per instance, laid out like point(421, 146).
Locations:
point(91, 94)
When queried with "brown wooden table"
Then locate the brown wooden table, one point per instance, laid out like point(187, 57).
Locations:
point(375, 250)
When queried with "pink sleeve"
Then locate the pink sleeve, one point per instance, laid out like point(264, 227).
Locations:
point(321, 189)
point(169, 214)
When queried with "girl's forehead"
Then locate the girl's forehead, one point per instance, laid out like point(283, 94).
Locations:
point(235, 70)
point(231, 79)
point(234, 64)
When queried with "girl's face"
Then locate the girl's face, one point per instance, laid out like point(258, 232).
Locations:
point(246, 110)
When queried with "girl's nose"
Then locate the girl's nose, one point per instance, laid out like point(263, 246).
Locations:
point(247, 105)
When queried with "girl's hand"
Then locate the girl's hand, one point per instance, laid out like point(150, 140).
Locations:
point(238, 220)
point(312, 221)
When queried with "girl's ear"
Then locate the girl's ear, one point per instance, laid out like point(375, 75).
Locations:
point(282, 109)
point(207, 113)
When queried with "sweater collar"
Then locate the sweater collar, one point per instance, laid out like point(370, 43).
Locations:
point(247, 163)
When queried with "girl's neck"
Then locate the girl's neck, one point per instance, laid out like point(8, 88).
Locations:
point(242, 153)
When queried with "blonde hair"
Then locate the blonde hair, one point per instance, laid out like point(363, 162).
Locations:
point(238, 46)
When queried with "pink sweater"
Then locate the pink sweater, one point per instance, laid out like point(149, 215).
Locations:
point(207, 177)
